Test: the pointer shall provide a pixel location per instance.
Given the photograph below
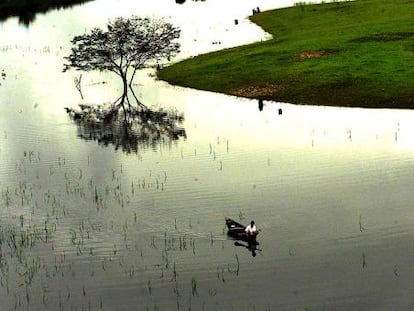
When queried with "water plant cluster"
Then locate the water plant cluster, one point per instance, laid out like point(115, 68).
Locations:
point(64, 231)
point(3, 75)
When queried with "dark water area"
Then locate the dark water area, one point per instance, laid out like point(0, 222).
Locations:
point(26, 10)
point(98, 217)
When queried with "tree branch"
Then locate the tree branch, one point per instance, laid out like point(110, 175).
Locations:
point(127, 42)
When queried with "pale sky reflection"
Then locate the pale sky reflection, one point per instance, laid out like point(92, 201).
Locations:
point(42, 46)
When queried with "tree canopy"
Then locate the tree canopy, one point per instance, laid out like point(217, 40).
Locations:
point(128, 44)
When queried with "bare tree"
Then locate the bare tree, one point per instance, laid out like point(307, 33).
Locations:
point(128, 44)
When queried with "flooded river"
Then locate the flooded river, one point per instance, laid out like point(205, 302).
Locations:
point(86, 224)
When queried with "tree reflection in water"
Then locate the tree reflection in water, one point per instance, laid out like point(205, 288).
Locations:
point(145, 128)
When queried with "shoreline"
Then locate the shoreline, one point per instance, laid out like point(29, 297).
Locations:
point(319, 54)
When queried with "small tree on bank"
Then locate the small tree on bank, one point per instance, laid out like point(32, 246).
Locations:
point(128, 44)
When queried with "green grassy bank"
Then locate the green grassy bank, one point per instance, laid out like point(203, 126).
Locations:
point(358, 53)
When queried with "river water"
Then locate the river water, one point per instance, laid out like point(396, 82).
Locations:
point(86, 225)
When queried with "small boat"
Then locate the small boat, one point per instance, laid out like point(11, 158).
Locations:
point(236, 231)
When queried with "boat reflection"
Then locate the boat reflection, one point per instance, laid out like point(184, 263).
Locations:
point(252, 247)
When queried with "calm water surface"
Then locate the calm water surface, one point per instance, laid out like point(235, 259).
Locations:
point(84, 226)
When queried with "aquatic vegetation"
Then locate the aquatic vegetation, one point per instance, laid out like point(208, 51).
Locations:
point(104, 229)
point(3, 76)
point(45, 243)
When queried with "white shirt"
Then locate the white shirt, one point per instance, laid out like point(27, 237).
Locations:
point(249, 229)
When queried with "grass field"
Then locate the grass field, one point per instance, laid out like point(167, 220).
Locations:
point(358, 53)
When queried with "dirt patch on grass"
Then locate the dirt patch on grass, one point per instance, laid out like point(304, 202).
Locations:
point(315, 54)
point(258, 91)
point(385, 37)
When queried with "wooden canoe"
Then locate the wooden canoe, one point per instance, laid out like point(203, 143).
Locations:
point(236, 231)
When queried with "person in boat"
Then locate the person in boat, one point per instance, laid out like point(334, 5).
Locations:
point(251, 229)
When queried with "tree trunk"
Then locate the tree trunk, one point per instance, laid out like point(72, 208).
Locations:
point(124, 95)
point(133, 93)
